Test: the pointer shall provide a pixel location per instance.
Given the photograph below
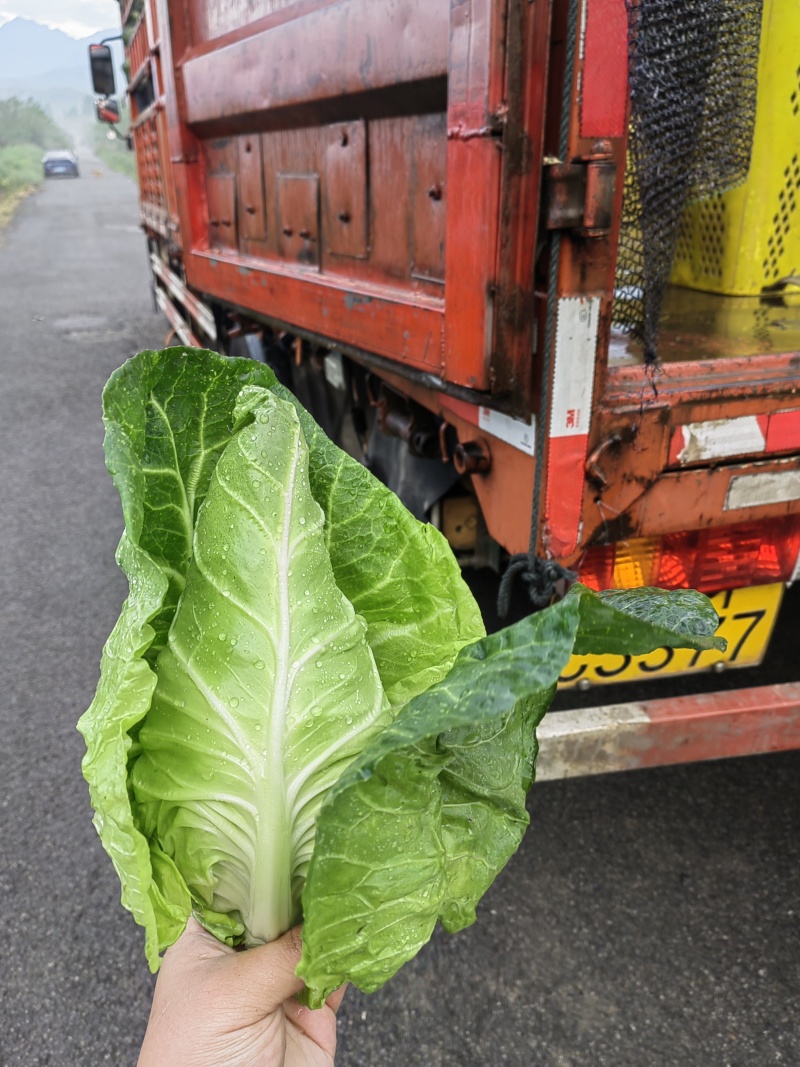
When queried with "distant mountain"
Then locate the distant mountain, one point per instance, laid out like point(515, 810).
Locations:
point(48, 65)
point(28, 49)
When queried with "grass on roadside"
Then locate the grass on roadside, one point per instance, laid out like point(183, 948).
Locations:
point(20, 164)
point(26, 131)
point(20, 173)
point(115, 154)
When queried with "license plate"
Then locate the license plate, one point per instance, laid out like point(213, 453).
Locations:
point(747, 619)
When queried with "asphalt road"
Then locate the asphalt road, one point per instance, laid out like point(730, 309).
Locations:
point(649, 918)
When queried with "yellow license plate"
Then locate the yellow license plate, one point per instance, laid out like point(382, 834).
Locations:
point(747, 617)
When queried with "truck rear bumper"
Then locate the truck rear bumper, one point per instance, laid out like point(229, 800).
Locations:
point(651, 733)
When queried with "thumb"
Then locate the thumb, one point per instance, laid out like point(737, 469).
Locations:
point(263, 977)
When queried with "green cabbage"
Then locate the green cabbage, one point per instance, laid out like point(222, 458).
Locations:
point(299, 716)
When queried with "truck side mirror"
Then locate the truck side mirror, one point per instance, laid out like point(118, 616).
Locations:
point(107, 111)
point(101, 63)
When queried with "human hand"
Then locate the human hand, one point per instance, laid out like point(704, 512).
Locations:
point(215, 1007)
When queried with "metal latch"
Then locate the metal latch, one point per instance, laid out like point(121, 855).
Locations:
point(579, 196)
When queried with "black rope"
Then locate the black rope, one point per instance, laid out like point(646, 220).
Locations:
point(540, 576)
point(540, 581)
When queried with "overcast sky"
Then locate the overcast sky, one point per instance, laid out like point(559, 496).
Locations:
point(78, 18)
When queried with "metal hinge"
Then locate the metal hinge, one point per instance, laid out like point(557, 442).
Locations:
point(579, 196)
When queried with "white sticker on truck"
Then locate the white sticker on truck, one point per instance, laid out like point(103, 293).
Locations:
point(573, 376)
point(719, 438)
point(514, 432)
point(758, 490)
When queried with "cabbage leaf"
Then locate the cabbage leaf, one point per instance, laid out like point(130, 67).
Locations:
point(266, 688)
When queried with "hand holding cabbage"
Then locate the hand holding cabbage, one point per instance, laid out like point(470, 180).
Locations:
point(299, 715)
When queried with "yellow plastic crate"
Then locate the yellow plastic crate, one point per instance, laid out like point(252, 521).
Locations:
point(741, 241)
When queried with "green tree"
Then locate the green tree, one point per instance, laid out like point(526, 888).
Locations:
point(25, 122)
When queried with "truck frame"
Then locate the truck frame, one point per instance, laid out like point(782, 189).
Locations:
point(412, 211)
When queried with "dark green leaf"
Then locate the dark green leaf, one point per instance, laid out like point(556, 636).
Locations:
point(364, 920)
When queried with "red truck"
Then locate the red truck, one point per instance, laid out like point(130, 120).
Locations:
point(450, 227)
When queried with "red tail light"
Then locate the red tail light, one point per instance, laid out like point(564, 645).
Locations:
point(726, 557)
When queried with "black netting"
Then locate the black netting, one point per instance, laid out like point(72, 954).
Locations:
point(693, 72)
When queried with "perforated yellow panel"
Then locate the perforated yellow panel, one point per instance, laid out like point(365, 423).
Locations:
point(748, 238)
point(784, 237)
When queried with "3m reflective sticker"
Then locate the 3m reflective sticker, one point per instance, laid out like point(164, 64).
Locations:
point(566, 457)
point(514, 432)
point(570, 418)
point(573, 375)
point(783, 431)
point(757, 490)
point(720, 438)
point(698, 442)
